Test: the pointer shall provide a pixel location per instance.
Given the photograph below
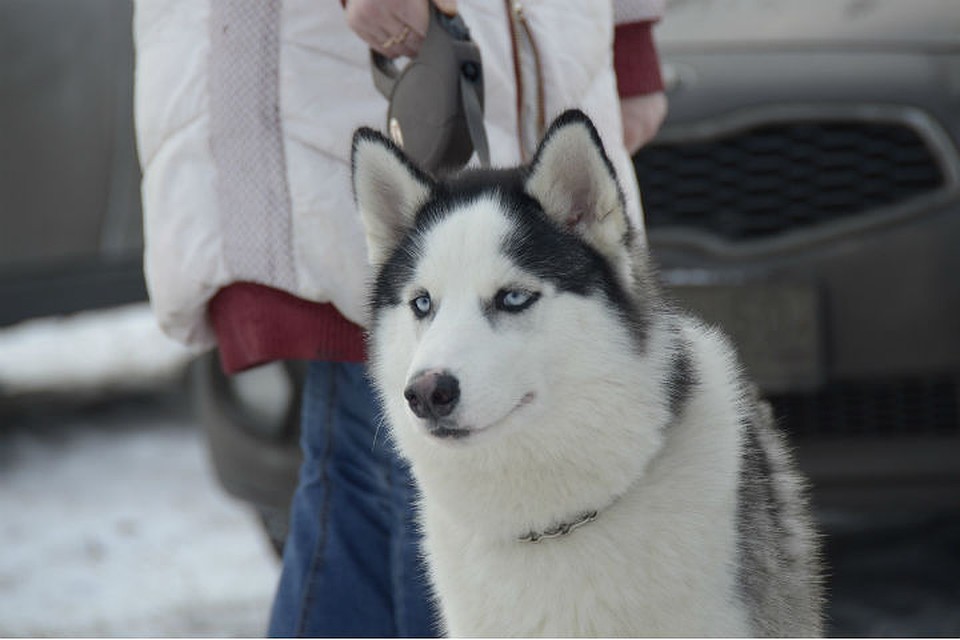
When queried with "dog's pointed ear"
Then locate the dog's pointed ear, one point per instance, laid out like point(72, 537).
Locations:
point(576, 185)
point(388, 189)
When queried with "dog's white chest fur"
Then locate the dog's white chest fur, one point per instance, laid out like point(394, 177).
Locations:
point(659, 559)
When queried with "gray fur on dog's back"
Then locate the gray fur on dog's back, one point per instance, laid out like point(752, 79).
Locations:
point(779, 563)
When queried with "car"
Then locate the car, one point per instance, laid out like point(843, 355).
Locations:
point(252, 425)
point(803, 195)
point(70, 224)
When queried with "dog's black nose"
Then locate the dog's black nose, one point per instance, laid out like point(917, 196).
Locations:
point(433, 394)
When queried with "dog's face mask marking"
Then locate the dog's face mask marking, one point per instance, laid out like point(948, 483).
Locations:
point(468, 273)
point(468, 316)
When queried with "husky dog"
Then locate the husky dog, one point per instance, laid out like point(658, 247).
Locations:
point(591, 461)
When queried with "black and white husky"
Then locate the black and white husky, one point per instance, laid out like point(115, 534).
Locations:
point(591, 461)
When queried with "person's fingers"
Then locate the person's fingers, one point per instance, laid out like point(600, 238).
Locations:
point(392, 40)
point(365, 17)
point(642, 117)
point(410, 46)
point(415, 14)
point(414, 42)
point(376, 24)
point(390, 27)
point(449, 7)
point(407, 46)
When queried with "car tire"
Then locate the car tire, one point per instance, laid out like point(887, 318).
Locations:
point(252, 432)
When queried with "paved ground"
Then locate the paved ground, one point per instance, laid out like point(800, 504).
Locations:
point(112, 525)
point(895, 577)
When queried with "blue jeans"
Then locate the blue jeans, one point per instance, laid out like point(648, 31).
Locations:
point(352, 565)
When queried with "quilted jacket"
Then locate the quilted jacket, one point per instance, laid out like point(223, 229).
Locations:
point(244, 114)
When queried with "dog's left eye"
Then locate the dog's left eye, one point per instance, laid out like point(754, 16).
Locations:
point(421, 305)
point(514, 300)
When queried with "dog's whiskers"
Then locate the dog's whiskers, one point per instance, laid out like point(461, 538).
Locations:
point(381, 421)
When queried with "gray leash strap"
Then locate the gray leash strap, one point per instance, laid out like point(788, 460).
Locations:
point(474, 115)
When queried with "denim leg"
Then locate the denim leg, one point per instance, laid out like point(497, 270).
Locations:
point(351, 565)
point(414, 611)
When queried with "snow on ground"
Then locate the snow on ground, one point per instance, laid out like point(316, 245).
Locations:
point(119, 348)
point(112, 525)
point(111, 522)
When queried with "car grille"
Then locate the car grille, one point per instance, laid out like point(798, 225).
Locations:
point(771, 179)
point(921, 406)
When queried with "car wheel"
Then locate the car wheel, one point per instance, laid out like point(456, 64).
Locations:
point(251, 421)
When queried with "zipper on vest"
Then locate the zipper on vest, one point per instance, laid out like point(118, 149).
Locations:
point(528, 133)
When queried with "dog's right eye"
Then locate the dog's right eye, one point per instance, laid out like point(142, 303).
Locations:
point(514, 300)
point(421, 305)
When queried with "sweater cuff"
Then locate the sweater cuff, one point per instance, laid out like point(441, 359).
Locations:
point(635, 60)
point(256, 324)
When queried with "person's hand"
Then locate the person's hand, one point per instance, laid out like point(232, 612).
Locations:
point(642, 117)
point(393, 27)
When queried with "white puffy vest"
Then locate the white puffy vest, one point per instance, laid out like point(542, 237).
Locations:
point(245, 113)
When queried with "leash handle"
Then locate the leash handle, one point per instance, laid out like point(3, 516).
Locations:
point(385, 71)
point(436, 101)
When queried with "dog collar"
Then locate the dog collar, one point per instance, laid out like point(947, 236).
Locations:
point(561, 529)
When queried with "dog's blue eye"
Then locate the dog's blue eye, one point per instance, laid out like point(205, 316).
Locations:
point(421, 305)
point(515, 300)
